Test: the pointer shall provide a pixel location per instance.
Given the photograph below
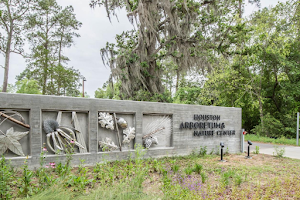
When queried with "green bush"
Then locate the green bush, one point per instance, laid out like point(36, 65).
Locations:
point(5, 179)
point(271, 127)
point(279, 152)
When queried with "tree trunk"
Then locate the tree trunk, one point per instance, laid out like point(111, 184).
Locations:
point(7, 56)
point(45, 75)
point(59, 52)
point(177, 79)
point(6, 67)
point(240, 8)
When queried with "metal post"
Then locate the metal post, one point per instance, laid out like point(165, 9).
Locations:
point(221, 154)
point(297, 137)
point(248, 151)
point(242, 141)
point(83, 79)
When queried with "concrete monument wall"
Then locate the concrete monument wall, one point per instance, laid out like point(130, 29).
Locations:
point(179, 129)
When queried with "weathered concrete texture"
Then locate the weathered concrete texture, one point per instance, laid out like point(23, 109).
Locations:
point(180, 141)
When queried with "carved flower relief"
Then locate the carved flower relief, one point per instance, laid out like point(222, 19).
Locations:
point(129, 134)
point(106, 120)
point(10, 141)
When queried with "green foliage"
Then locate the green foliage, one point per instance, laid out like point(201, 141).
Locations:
point(203, 151)
point(256, 150)
point(188, 95)
point(26, 188)
point(50, 29)
point(175, 168)
point(135, 179)
point(43, 175)
point(271, 127)
point(80, 180)
point(175, 45)
point(12, 23)
point(203, 177)
point(226, 177)
point(10, 88)
point(238, 179)
point(198, 168)
point(28, 86)
point(108, 91)
point(189, 170)
point(6, 177)
point(279, 151)
point(281, 140)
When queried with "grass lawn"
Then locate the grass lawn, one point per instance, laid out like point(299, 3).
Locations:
point(192, 177)
point(282, 140)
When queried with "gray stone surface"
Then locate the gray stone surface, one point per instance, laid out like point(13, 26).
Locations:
point(36, 108)
point(266, 148)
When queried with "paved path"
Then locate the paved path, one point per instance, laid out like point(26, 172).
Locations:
point(290, 151)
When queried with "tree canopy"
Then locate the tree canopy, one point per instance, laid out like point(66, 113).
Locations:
point(50, 29)
point(206, 52)
point(187, 32)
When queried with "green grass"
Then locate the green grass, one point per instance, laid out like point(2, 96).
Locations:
point(119, 192)
point(282, 140)
point(263, 177)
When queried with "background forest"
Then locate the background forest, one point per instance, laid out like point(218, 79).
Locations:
point(178, 51)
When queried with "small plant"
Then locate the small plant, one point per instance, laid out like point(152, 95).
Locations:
point(157, 165)
point(26, 189)
point(5, 179)
point(97, 168)
point(238, 180)
point(175, 168)
point(256, 150)
point(80, 180)
point(203, 151)
point(226, 152)
point(44, 179)
point(279, 152)
point(140, 169)
point(198, 168)
point(193, 154)
point(188, 171)
point(80, 167)
point(212, 151)
point(65, 170)
point(203, 177)
point(218, 150)
point(225, 177)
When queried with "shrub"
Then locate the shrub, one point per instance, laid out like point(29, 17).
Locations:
point(271, 127)
point(175, 168)
point(198, 168)
point(279, 152)
point(188, 171)
point(203, 151)
point(256, 150)
point(5, 179)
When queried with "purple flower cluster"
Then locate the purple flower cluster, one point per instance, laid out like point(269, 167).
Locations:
point(188, 182)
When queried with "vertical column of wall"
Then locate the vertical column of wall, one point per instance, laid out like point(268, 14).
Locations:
point(35, 134)
point(93, 130)
point(139, 128)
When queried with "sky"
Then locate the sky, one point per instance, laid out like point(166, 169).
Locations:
point(96, 30)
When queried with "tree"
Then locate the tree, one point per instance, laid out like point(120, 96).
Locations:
point(263, 77)
point(188, 32)
point(27, 86)
point(10, 88)
point(52, 29)
point(12, 22)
